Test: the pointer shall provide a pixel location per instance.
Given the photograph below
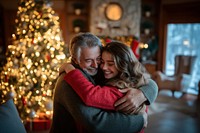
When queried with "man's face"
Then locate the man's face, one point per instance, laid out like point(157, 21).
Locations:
point(90, 58)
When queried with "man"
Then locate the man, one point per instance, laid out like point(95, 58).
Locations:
point(71, 115)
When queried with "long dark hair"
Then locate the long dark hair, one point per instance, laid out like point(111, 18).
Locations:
point(130, 69)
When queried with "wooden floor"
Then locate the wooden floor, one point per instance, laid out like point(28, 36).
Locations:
point(179, 114)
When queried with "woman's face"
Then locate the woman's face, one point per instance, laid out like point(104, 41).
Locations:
point(108, 66)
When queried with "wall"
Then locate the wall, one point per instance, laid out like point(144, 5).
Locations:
point(129, 24)
point(185, 11)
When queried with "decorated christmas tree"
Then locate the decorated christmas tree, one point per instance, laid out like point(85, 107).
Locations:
point(33, 59)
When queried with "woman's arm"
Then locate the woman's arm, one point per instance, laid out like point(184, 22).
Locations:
point(66, 67)
point(95, 96)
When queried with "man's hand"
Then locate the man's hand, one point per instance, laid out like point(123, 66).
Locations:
point(131, 101)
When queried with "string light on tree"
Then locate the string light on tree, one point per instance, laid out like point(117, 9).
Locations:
point(33, 58)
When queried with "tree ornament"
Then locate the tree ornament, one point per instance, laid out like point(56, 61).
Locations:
point(11, 94)
point(49, 105)
point(24, 101)
point(32, 114)
point(48, 57)
point(29, 103)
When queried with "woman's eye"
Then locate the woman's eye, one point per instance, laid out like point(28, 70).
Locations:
point(110, 64)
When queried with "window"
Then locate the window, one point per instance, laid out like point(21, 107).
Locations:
point(184, 39)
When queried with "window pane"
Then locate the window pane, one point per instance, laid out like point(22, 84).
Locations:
point(184, 39)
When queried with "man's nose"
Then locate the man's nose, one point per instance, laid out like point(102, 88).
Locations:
point(95, 64)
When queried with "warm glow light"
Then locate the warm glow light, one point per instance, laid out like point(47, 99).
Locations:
point(143, 46)
point(52, 49)
point(57, 38)
point(146, 45)
point(39, 38)
point(13, 36)
point(31, 71)
point(41, 61)
point(34, 41)
point(44, 77)
point(186, 43)
point(60, 57)
point(29, 64)
point(37, 91)
point(113, 11)
point(37, 54)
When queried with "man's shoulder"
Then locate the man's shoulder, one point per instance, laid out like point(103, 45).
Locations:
point(60, 80)
point(61, 76)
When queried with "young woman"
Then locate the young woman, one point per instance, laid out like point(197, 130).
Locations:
point(121, 70)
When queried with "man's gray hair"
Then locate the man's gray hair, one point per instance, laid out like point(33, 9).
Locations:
point(82, 40)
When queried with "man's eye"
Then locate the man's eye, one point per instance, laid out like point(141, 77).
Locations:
point(88, 61)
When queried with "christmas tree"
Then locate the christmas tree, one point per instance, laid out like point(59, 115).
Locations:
point(33, 59)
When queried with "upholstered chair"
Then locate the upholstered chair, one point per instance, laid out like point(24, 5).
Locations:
point(181, 79)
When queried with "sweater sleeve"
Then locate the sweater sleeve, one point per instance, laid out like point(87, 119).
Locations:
point(95, 96)
point(150, 91)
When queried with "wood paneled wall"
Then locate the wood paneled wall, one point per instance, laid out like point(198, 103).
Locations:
point(184, 11)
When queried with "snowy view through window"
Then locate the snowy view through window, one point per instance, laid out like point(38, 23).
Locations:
point(184, 39)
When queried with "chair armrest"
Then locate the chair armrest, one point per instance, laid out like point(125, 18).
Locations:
point(163, 81)
point(159, 76)
point(185, 81)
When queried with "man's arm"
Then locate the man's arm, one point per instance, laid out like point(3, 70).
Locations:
point(134, 98)
point(150, 91)
point(93, 119)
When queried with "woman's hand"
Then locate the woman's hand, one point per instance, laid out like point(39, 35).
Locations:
point(67, 67)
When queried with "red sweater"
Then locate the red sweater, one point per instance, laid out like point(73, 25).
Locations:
point(96, 96)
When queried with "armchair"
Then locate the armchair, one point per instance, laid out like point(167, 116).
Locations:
point(181, 78)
